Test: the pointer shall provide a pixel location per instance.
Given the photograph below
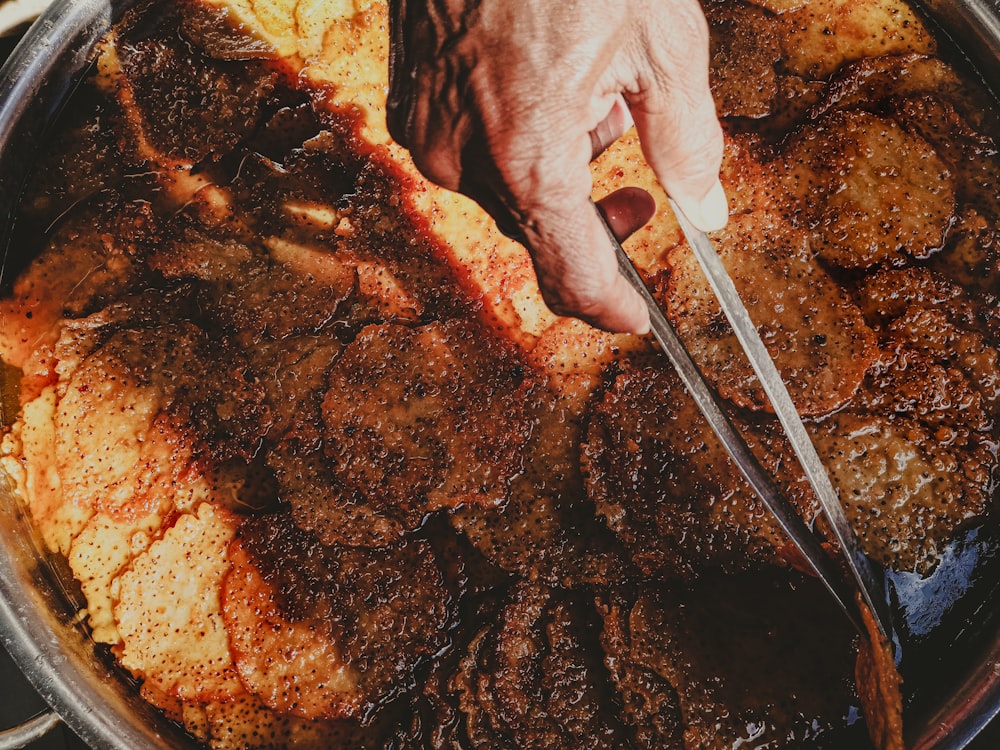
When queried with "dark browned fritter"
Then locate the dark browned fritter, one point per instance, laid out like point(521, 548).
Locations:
point(435, 546)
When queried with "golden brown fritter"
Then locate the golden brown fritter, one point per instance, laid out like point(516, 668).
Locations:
point(887, 294)
point(970, 152)
point(422, 418)
point(972, 257)
point(79, 272)
point(878, 682)
point(183, 105)
point(649, 702)
point(820, 36)
point(869, 82)
point(169, 614)
point(871, 193)
point(744, 50)
point(929, 330)
point(815, 333)
point(321, 631)
point(665, 485)
point(321, 504)
point(904, 486)
point(546, 531)
point(141, 421)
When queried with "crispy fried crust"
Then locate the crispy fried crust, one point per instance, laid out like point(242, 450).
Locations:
point(821, 344)
point(169, 614)
point(328, 632)
point(666, 486)
point(423, 418)
point(744, 50)
point(535, 679)
point(871, 193)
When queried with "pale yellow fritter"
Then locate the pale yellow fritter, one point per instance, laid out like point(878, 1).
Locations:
point(169, 613)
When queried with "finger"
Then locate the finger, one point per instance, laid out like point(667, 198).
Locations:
point(678, 128)
point(611, 128)
point(577, 267)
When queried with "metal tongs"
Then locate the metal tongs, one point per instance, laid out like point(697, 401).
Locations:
point(863, 572)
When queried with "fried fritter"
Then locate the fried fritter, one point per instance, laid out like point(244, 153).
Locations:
point(869, 82)
point(815, 333)
point(423, 418)
point(929, 330)
point(327, 632)
point(183, 106)
point(546, 531)
point(889, 293)
point(535, 679)
point(871, 193)
point(820, 36)
point(169, 614)
point(649, 703)
point(666, 486)
point(972, 257)
point(750, 657)
point(79, 272)
point(904, 487)
point(744, 50)
point(138, 425)
point(971, 154)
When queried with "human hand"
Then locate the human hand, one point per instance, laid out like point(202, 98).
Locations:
point(508, 101)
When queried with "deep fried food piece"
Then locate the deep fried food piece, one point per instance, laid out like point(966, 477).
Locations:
point(182, 105)
point(871, 193)
point(870, 81)
point(878, 685)
point(546, 531)
point(972, 257)
point(744, 51)
point(666, 486)
point(970, 153)
point(649, 702)
point(169, 614)
point(322, 631)
point(79, 272)
point(535, 680)
point(820, 36)
point(245, 722)
point(141, 422)
point(889, 293)
point(423, 418)
point(749, 656)
point(293, 667)
point(904, 486)
point(929, 330)
point(321, 505)
point(815, 333)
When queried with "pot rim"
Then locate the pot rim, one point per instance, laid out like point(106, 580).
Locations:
point(38, 622)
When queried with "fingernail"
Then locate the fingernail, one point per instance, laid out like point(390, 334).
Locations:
point(642, 314)
point(713, 211)
point(643, 329)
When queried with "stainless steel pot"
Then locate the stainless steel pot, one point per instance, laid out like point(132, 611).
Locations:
point(38, 614)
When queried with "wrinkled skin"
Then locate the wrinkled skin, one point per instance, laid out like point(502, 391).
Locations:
point(507, 102)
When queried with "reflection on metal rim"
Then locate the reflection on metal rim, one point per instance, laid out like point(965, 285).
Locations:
point(36, 624)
